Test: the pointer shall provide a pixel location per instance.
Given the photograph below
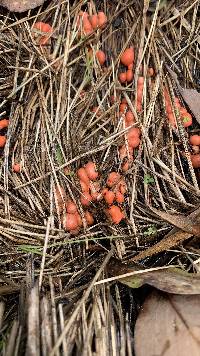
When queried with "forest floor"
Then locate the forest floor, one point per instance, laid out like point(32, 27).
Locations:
point(99, 172)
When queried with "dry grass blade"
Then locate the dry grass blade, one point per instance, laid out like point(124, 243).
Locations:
point(2, 308)
point(11, 344)
point(80, 304)
point(170, 280)
point(46, 326)
point(67, 108)
point(33, 339)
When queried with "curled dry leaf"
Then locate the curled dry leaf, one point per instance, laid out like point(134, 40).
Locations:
point(165, 244)
point(171, 280)
point(186, 227)
point(180, 221)
point(168, 325)
point(21, 5)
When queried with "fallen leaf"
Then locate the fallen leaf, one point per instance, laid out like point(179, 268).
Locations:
point(191, 96)
point(180, 221)
point(168, 326)
point(165, 244)
point(21, 5)
point(193, 216)
point(190, 224)
point(171, 280)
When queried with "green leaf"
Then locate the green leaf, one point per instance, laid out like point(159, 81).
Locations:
point(59, 156)
point(150, 231)
point(148, 179)
point(29, 249)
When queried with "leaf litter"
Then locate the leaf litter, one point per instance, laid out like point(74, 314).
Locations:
point(169, 279)
point(49, 90)
point(168, 325)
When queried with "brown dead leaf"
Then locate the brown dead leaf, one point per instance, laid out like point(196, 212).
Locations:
point(168, 326)
point(163, 245)
point(193, 216)
point(171, 280)
point(21, 5)
point(189, 224)
point(191, 96)
point(180, 221)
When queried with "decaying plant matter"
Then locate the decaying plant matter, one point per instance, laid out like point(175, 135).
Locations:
point(99, 160)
